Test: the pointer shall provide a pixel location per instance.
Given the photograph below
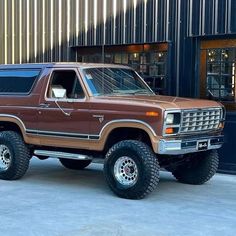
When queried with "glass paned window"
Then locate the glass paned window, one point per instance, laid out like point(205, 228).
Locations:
point(221, 74)
point(117, 58)
point(150, 65)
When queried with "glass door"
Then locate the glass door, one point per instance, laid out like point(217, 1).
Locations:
point(218, 73)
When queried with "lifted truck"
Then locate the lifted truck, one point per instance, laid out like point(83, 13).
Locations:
point(76, 111)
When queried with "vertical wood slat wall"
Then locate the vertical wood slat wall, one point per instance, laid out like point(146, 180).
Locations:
point(45, 30)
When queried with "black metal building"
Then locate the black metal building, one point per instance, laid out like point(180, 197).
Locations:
point(181, 47)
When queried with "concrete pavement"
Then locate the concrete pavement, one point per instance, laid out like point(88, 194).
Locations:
point(51, 200)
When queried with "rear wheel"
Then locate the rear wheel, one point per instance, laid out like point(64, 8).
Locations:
point(14, 156)
point(198, 169)
point(75, 164)
point(131, 169)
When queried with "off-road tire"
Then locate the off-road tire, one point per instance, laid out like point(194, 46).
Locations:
point(19, 155)
point(147, 168)
point(199, 168)
point(74, 164)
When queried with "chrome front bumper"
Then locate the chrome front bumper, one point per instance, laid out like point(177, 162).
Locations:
point(184, 146)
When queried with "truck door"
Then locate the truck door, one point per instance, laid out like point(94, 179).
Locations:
point(60, 121)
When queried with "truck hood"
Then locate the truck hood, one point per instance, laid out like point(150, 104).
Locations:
point(163, 102)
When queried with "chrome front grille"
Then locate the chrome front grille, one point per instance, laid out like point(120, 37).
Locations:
point(200, 120)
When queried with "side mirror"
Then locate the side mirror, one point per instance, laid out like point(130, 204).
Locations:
point(58, 93)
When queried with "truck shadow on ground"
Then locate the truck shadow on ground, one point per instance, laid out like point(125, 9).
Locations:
point(51, 172)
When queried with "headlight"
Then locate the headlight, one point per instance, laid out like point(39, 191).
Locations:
point(170, 119)
point(172, 122)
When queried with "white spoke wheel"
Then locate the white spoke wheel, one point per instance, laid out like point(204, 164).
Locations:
point(14, 156)
point(126, 171)
point(5, 157)
point(131, 169)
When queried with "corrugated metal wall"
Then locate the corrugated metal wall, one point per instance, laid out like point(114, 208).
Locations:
point(36, 30)
point(123, 21)
point(44, 30)
point(211, 17)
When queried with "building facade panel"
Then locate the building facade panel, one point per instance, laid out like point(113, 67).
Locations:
point(211, 17)
point(45, 29)
point(42, 30)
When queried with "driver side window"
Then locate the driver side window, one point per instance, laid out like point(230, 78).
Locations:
point(67, 80)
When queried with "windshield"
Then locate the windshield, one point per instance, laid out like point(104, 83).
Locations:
point(115, 81)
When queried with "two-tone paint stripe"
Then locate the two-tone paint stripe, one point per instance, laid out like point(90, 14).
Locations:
point(63, 134)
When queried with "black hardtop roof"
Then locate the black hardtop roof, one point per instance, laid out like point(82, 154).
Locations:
point(57, 65)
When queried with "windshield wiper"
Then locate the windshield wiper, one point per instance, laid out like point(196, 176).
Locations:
point(142, 91)
point(127, 92)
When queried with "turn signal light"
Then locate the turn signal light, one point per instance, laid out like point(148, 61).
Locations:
point(151, 113)
point(221, 125)
point(169, 130)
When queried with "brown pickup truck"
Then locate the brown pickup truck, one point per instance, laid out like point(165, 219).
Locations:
point(75, 111)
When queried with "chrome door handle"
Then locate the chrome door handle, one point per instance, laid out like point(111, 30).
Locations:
point(44, 105)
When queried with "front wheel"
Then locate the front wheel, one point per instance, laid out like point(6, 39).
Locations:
point(131, 169)
point(198, 168)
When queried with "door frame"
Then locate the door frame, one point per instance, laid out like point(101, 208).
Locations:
point(204, 46)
